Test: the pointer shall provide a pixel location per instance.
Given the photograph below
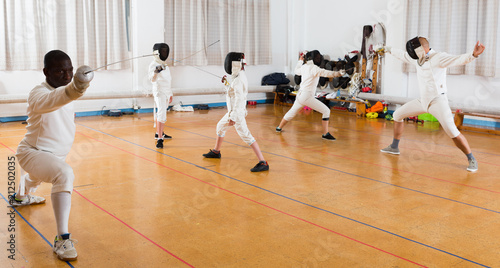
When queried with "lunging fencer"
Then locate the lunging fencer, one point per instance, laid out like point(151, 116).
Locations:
point(47, 142)
point(237, 89)
point(159, 75)
point(310, 72)
point(431, 74)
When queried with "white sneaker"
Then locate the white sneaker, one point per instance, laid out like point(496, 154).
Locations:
point(390, 150)
point(64, 248)
point(473, 167)
point(28, 200)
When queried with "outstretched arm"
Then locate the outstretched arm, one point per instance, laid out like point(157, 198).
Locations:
point(447, 60)
point(326, 73)
point(400, 54)
point(43, 100)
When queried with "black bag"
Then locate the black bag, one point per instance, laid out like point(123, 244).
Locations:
point(275, 79)
point(284, 89)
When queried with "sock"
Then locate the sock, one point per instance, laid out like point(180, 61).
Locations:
point(61, 203)
point(65, 236)
point(215, 151)
point(18, 197)
point(395, 143)
point(470, 156)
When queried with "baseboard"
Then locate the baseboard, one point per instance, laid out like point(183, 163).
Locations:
point(484, 123)
point(126, 110)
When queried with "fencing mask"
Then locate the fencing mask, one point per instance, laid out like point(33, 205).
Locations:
point(233, 63)
point(315, 56)
point(416, 50)
point(161, 51)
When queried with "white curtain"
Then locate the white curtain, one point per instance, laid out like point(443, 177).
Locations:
point(455, 27)
point(91, 32)
point(240, 25)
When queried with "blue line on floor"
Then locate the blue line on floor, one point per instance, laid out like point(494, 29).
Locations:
point(300, 202)
point(33, 227)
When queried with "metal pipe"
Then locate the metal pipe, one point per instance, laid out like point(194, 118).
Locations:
point(5, 99)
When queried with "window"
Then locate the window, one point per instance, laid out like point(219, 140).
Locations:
point(240, 25)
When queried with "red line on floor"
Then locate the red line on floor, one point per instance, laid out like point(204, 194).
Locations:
point(254, 201)
point(365, 162)
point(118, 219)
point(132, 228)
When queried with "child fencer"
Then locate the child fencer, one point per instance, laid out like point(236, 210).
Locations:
point(48, 140)
point(159, 75)
point(237, 89)
point(431, 74)
point(310, 72)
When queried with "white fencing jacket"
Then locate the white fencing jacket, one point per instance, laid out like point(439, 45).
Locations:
point(163, 80)
point(236, 97)
point(51, 118)
point(310, 76)
point(432, 74)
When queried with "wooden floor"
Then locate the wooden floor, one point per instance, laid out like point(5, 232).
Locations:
point(322, 204)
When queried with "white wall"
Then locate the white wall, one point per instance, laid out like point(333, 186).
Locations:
point(332, 27)
point(337, 28)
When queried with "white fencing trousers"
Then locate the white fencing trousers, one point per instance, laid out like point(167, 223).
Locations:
point(161, 101)
point(438, 107)
point(43, 166)
point(306, 99)
point(240, 126)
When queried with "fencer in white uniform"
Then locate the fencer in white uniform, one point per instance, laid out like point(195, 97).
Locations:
point(236, 86)
point(310, 72)
point(431, 74)
point(159, 75)
point(50, 135)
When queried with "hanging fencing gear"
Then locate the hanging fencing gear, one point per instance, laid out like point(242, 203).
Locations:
point(233, 62)
point(367, 31)
point(315, 56)
point(161, 51)
point(416, 51)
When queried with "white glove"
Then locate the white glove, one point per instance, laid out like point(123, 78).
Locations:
point(386, 49)
point(80, 82)
point(342, 72)
point(83, 77)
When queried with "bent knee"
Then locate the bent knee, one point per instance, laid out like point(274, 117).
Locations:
point(398, 117)
point(65, 175)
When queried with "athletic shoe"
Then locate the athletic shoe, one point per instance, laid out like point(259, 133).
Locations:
point(390, 150)
point(278, 129)
point(212, 154)
point(64, 248)
point(159, 144)
point(472, 165)
point(28, 200)
point(328, 136)
point(261, 166)
point(165, 136)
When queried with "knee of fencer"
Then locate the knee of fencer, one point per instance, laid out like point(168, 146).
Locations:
point(65, 175)
point(452, 133)
point(288, 117)
point(161, 119)
point(397, 117)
